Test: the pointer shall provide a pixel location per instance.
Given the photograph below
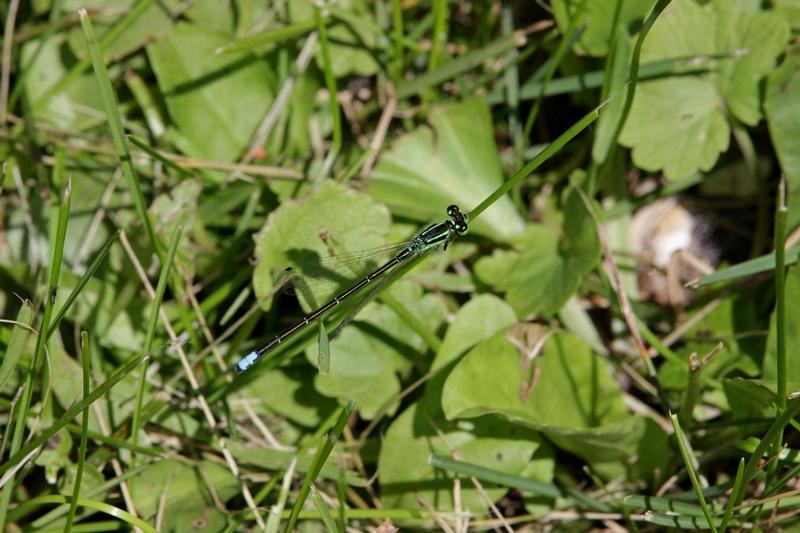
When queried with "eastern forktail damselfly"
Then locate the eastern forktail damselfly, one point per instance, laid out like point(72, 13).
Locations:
point(435, 235)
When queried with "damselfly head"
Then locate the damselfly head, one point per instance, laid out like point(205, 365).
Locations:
point(459, 220)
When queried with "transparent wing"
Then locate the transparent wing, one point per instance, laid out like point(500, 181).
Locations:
point(316, 280)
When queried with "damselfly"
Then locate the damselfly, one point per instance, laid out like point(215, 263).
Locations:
point(434, 236)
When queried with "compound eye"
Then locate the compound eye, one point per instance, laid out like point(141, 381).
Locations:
point(461, 227)
point(452, 210)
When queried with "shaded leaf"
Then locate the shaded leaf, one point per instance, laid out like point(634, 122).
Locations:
point(216, 101)
point(573, 399)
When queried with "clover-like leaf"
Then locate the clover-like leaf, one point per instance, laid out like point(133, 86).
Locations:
point(456, 162)
point(679, 124)
point(571, 395)
point(543, 270)
point(295, 233)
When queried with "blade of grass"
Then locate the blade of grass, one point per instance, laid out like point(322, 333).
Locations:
point(689, 463)
point(330, 85)
point(572, 34)
point(460, 65)
point(750, 268)
point(41, 341)
point(775, 430)
point(76, 491)
point(543, 156)
point(115, 124)
point(324, 450)
point(781, 214)
point(594, 79)
point(115, 377)
point(324, 510)
point(116, 512)
point(737, 487)
point(92, 268)
point(278, 35)
point(517, 482)
point(151, 330)
point(664, 505)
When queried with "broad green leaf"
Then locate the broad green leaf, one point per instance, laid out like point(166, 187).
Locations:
point(570, 395)
point(456, 162)
point(216, 101)
point(76, 107)
point(478, 319)
point(290, 395)
point(543, 269)
point(352, 47)
point(679, 124)
point(295, 233)
point(212, 15)
point(599, 14)
point(748, 399)
point(782, 108)
point(405, 475)
point(370, 353)
point(770, 372)
point(184, 489)
point(267, 458)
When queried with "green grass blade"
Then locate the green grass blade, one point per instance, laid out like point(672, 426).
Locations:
point(324, 450)
point(458, 66)
point(115, 126)
point(750, 268)
point(330, 85)
point(273, 36)
point(540, 158)
point(115, 377)
point(664, 505)
point(738, 487)
point(110, 510)
point(324, 510)
point(41, 340)
point(781, 214)
point(151, 327)
point(98, 260)
point(769, 438)
point(517, 482)
point(76, 491)
point(571, 36)
point(687, 461)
